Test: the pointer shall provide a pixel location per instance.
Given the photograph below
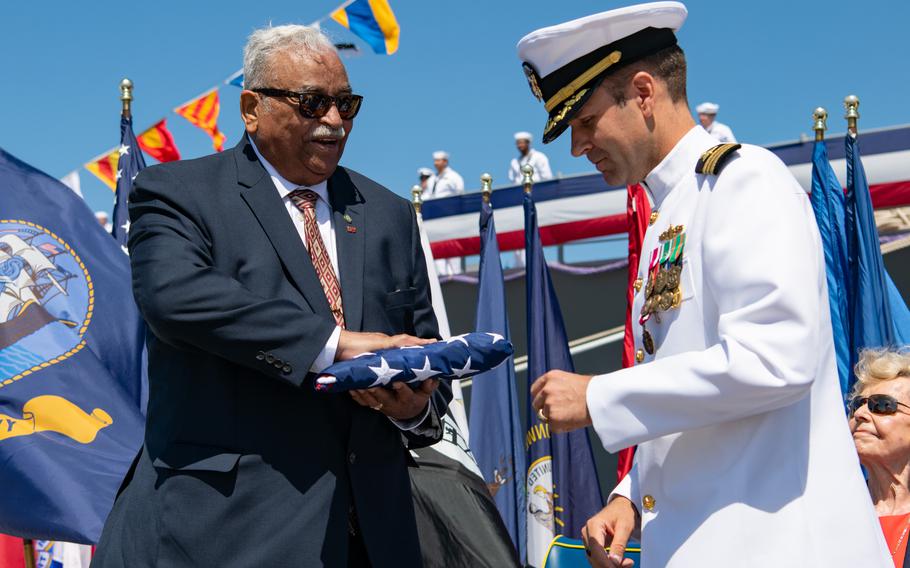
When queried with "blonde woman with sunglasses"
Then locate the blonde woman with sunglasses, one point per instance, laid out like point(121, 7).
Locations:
point(880, 422)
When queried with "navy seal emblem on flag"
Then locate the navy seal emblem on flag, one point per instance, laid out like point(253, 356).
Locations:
point(46, 299)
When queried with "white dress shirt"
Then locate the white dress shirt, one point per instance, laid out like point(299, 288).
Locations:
point(327, 231)
point(744, 455)
point(537, 160)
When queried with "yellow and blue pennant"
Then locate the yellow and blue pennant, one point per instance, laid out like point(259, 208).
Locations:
point(373, 21)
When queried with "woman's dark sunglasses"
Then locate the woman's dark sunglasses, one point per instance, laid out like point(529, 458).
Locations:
point(877, 404)
point(317, 105)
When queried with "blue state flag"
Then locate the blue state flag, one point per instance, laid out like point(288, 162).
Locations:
point(71, 344)
point(495, 419)
point(129, 165)
point(880, 315)
point(827, 200)
point(563, 491)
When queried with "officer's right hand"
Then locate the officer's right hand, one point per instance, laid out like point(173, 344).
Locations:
point(612, 527)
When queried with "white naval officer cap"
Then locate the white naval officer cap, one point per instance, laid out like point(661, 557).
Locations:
point(523, 136)
point(565, 63)
point(440, 155)
point(424, 172)
point(707, 108)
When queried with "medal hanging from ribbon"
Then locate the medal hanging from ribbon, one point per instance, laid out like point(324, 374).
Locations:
point(663, 290)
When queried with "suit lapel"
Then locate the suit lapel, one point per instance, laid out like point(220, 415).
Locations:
point(263, 200)
point(348, 218)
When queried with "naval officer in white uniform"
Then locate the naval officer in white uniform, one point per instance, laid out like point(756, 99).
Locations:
point(707, 116)
point(744, 456)
point(528, 156)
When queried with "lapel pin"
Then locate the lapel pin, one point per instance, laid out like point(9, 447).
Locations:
point(348, 218)
point(352, 229)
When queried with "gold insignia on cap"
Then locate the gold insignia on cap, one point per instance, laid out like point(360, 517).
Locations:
point(554, 120)
point(582, 80)
point(533, 80)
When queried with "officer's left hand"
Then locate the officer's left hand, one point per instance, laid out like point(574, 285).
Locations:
point(398, 401)
point(562, 398)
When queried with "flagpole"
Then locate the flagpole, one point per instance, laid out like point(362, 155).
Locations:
point(527, 177)
point(820, 116)
point(416, 199)
point(329, 15)
point(486, 187)
point(29, 550)
point(126, 97)
point(851, 104)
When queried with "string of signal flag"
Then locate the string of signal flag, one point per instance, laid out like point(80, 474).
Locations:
point(371, 20)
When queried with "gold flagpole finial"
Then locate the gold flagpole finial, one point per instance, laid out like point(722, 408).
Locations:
point(415, 197)
point(851, 104)
point(527, 180)
point(486, 187)
point(126, 96)
point(820, 116)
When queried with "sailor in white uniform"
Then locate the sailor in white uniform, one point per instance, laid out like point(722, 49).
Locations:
point(446, 182)
point(528, 156)
point(744, 455)
point(707, 116)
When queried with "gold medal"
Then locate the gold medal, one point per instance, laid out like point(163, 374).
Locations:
point(673, 278)
point(649, 288)
point(661, 285)
point(677, 298)
point(665, 301)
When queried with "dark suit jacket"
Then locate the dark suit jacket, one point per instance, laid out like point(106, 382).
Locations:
point(244, 464)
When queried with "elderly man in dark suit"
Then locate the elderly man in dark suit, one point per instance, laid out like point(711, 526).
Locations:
point(254, 269)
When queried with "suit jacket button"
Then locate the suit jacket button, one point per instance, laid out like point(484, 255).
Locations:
point(269, 358)
point(286, 369)
point(260, 356)
point(352, 457)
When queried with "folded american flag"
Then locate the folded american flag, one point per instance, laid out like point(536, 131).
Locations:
point(458, 357)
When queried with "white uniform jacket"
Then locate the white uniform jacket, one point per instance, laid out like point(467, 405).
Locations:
point(537, 160)
point(722, 132)
point(744, 458)
point(446, 184)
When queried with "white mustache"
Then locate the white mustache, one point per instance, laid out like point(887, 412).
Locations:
point(322, 132)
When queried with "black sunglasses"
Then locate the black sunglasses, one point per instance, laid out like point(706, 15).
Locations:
point(877, 404)
point(317, 105)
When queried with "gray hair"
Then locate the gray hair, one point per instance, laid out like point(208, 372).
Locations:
point(879, 365)
point(264, 43)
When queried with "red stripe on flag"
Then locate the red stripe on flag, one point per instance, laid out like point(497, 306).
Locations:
point(893, 194)
point(549, 235)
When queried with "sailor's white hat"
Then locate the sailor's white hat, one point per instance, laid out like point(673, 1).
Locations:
point(707, 108)
point(523, 136)
point(440, 155)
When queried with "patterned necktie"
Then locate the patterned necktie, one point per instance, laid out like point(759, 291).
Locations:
point(305, 201)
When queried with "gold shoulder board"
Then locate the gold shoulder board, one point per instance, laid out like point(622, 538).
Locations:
point(712, 161)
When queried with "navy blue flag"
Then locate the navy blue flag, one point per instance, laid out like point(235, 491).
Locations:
point(827, 200)
point(129, 165)
point(880, 316)
point(562, 487)
point(70, 361)
point(495, 420)
point(459, 357)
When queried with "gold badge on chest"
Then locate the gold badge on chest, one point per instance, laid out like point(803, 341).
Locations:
point(663, 290)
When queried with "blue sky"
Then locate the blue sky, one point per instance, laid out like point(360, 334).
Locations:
point(455, 83)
